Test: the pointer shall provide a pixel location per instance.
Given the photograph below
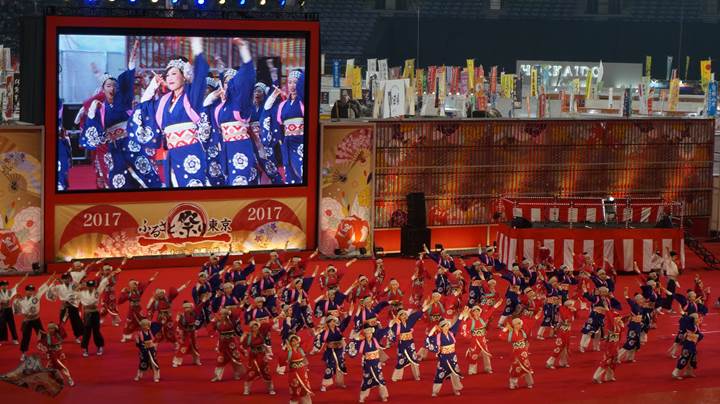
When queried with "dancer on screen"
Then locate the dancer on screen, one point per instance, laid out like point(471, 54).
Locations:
point(264, 146)
point(231, 113)
point(179, 115)
point(291, 115)
point(105, 129)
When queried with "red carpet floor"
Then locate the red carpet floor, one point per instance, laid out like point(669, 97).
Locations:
point(109, 378)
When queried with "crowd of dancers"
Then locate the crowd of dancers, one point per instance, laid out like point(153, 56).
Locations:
point(194, 129)
point(245, 309)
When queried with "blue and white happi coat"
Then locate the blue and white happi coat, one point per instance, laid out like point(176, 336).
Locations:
point(334, 354)
point(371, 365)
point(231, 117)
point(108, 127)
point(402, 334)
point(184, 123)
point(444, 346)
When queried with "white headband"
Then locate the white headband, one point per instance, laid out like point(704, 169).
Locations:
point(262, 86)
point(229, 74)
point(184, 67)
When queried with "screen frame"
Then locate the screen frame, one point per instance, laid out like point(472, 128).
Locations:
point(55, 25)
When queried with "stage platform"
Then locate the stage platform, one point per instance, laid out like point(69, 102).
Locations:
point(616, 244)
point(109, 378)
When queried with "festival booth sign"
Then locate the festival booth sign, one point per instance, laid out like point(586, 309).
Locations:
point(21, 183)
point(166, 228)
point(346, 190)
point(618, 246)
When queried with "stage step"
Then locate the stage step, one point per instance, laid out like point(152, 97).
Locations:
point(698, 248)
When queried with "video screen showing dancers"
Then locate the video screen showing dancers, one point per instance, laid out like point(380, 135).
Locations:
point(153, 112)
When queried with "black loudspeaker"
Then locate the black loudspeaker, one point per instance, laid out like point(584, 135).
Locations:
point(32, 70)
point(416, 210)
point(520, 222)
point(664, 223)
point(412, 240)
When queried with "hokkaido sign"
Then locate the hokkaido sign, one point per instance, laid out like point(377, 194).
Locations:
point(562, 74)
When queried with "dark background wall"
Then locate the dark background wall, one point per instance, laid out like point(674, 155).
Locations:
point(503, 41)
point(454, 30)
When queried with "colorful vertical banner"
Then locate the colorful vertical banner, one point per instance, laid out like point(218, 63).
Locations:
point(627, 103)
point(712, 98)
point(432, 79)
point(564, 101)
point(346, 192)
point(336, 73)
point(533, 82)
point(383, 72)
point(21, 227)
point(545, 74)
point(372, 65)
point(442, 82)
point(517, 89)
point(588, 85)
point(648, 66)
point(493, 83)
point(642, 96)
point(349, 71)
point(576, 86)
point(463, 82)
point(409, 69)
point(471, 73)
point(687, 66)
point(674, 95)
point(357, 83)
point(456, 79)
point(420, 83)
point(705, 72)
point(481, 98)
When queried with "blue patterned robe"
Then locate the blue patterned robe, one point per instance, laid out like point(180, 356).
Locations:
point(324, 305)
point(144, 139)
point(402, 334)
point(688, 355)
point(372, 371)
point(444, 346)
point(109, 126)
point(232, 118)
point(334, 354)
point(291, 115)
point(184, 123)
point(268, 163)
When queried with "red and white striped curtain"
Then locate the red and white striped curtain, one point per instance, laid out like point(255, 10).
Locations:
point(620, 247)
point(579, 210)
